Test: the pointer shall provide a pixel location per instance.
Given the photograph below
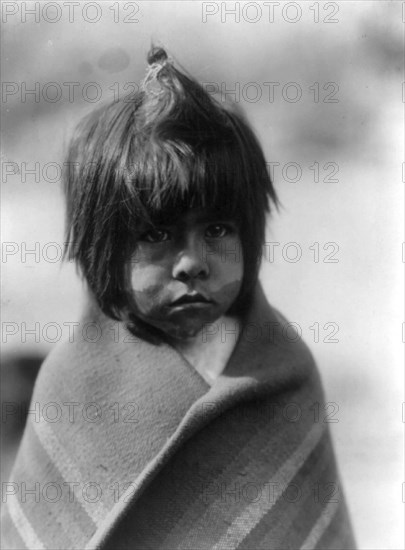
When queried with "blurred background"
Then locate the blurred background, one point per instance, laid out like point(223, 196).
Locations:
point(321, 84)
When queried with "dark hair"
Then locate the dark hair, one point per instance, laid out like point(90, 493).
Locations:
point(160, 151)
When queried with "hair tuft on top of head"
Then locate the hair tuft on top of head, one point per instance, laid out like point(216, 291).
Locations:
point(159, 73)
point(156, 55)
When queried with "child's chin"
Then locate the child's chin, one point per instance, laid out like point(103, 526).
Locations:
point(184, 332)
point(188, 324)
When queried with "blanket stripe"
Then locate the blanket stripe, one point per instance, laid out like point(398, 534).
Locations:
point(24, 527)
point(68, 471)
point(251, 516)
point(279, 525)
point(48, 495)
point(320, 526)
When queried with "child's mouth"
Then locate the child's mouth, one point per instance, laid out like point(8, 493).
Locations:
point(193, 299)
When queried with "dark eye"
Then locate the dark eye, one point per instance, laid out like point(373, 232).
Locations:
point(155, 236)
point(217, 231)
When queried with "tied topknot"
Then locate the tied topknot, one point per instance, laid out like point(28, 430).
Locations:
point(157, 60)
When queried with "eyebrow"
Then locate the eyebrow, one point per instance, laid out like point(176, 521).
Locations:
point(203, 217)
point(172, 217)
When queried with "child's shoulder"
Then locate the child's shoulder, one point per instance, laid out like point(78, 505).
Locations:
point(105, 361)
point(267, 329)
point(66, 371)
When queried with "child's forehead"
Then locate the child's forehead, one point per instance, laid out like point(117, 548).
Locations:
point(192, 216)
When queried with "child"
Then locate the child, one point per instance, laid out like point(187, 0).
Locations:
point(183, 417)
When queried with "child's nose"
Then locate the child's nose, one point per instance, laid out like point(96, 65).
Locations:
point(190, 263)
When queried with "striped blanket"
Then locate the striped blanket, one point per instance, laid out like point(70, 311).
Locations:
point(127, 447)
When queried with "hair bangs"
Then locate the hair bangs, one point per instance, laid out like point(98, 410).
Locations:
point(172, 177)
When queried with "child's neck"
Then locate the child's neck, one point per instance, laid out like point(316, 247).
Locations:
point(210, 349)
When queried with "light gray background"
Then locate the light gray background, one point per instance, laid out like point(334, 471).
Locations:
point(362, 133)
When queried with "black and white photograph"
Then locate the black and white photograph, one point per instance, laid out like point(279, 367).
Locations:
point(202, 260)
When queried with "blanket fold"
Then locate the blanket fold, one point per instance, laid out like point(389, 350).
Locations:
point(127, 446)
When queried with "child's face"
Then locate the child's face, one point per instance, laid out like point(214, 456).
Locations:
point(187, 273)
